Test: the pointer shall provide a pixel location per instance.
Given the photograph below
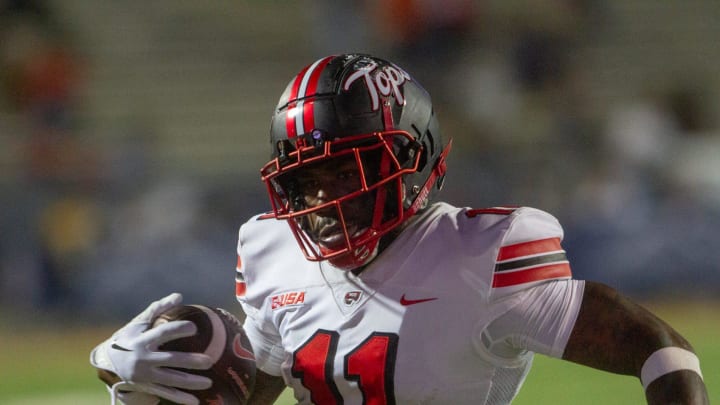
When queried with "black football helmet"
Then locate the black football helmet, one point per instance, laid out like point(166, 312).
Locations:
point(362, 109)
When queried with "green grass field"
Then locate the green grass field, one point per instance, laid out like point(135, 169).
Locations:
point(49, 365)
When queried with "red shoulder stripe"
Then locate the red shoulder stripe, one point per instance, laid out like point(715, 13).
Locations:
point(549, 272)
point(529, 248)
point(493, 210)
point(240, 285)
point(240, 288)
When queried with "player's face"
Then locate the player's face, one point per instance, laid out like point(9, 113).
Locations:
point(327, 181)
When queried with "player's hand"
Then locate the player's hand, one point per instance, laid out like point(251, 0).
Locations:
point(132, 354)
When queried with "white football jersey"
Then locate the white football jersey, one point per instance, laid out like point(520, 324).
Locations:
point(451, 312)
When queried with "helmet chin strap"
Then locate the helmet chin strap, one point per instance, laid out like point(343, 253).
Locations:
point(357, 257)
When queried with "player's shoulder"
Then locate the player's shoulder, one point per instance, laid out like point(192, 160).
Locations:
point(527, 223)
point(264, 219)
point(512, 212)
point(266, 251)
point(262, 227)
point(524, 245)
point(263, 237)
point(513, 223)
point(473, 230)
point(530, 251)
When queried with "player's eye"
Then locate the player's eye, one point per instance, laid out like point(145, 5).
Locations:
point(347, 174)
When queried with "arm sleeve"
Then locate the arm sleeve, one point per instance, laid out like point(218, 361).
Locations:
point(266, 342)
point(269, 354)
point(540, 321)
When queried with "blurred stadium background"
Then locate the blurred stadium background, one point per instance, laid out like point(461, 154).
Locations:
point(131, 134)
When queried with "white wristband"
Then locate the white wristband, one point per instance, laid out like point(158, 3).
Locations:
point(667, 360)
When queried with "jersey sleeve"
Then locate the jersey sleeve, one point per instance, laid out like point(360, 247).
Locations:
point(265, 340)
point(530, 253)
point(540, 320)
point(540, 300)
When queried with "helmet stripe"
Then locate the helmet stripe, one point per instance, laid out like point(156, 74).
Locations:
point(291, 109)
point(305, 84)
point(308, 109)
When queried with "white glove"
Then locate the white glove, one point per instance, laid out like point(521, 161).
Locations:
point(132, 354)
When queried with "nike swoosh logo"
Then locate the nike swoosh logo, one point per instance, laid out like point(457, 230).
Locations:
point(240, 351)
point(405, 302)
point(118, 347)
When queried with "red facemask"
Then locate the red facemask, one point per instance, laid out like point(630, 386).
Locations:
point(346, 227)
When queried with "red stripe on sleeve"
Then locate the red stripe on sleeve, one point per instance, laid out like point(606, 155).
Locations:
point(240, 288)
point(494, 210)
point(240, 285)
point(529, 248)
point(549, 272)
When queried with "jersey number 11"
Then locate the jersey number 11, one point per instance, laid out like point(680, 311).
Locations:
point(371, 364)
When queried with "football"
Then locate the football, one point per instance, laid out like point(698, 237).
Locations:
point(220, 335)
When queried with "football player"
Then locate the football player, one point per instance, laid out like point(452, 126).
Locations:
point(360, 288)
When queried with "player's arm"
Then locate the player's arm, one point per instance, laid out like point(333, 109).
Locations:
point(267, 389)
point(614, 334)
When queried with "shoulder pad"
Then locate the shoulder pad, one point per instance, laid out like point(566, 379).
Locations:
point(530, 251)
